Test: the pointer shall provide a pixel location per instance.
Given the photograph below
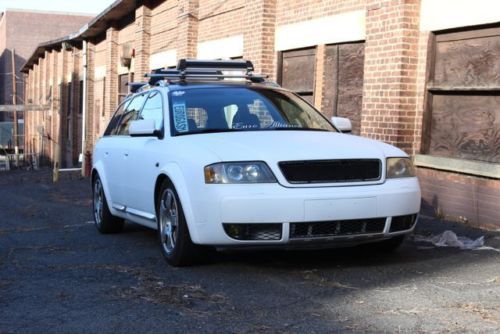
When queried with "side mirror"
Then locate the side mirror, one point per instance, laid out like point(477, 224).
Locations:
point(143, 128)
point(342, 124)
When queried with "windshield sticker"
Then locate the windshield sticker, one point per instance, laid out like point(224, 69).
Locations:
point(180, 118)
point(178, 93)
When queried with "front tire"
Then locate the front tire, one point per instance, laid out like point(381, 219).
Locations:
point(105, 222)
point(173, 232)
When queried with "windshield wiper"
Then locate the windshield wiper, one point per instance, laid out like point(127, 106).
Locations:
point(206, 131)
point(247, 130)
point(297, 129)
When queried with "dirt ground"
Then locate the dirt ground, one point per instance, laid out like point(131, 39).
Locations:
point(58, 274)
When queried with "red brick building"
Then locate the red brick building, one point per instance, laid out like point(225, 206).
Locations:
point(419, 74)
point(21, 31)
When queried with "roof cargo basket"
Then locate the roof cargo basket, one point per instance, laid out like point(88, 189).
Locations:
point(207, 70)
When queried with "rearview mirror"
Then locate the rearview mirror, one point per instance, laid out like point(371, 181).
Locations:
point(342, 124)
point(143, 128)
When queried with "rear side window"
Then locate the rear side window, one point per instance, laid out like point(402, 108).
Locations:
point(131, 112)
point(113, 124)
point(153, 109)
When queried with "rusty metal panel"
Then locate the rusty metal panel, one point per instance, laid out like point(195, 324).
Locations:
point(470, 62)
point(343, 82)
point(297, 73)
point(351, 65)
point(466, 126)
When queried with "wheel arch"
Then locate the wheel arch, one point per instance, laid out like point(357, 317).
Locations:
point(98, 170)
point(173, 173)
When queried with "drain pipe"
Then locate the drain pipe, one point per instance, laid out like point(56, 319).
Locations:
point(84, 106)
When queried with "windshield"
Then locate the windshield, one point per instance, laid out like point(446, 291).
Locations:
point(223, 109)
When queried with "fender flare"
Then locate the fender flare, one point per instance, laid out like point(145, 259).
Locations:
point(174, 173)
point(99, 169)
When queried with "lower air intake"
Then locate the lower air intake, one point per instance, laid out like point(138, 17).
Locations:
point(260, 232)
point(336, 228)
point(402, 223)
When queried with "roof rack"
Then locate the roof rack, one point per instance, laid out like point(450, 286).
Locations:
point(207, 70)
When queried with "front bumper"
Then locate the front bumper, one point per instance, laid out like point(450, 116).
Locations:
point(275, 204)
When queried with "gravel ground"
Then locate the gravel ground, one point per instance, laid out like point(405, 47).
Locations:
point(58, 274)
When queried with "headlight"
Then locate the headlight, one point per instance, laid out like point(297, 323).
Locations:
point(399, 167)
point(239, 172)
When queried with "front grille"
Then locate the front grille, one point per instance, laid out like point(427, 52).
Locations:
point(331, 171)
point(253, 231)
point(402, 223)
point(336, 228)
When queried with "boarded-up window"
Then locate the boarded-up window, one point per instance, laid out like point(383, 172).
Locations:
point(343, 82)
point(123, 80)
point(297, 72)
point(464, 96)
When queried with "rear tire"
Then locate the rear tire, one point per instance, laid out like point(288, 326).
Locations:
point(173, 233)
point(105, 222)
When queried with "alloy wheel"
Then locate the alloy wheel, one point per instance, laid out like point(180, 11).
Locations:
point(169, 221)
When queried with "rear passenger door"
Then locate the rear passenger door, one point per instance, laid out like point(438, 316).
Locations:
point(108, 152)
point(117, 168)
point(143, 161)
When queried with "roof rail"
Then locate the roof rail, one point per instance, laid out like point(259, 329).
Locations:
point(207, 70)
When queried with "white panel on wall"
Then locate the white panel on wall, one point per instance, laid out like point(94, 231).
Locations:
point(345, 27)
point(99, 72)
point(446, 14)
point(224, 48)
point(163, 59)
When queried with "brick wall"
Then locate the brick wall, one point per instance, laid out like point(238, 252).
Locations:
point(292, 11)
point(24, 30)
point(390, 73)
point(142, 43)
point(164, 26)
point(260, 23)
point(111, 89)
point(219, 19)
point(461, 198)
point(187, 28)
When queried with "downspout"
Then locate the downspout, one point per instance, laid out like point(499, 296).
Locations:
point(84, 106)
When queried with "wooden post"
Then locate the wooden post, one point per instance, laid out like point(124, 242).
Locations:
point(14, 102)
point(55, 172)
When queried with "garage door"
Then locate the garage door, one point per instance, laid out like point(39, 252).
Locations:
point(343, 82)
point(463, 116)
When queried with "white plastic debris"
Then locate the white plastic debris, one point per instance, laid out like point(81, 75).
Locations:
point(450, 239)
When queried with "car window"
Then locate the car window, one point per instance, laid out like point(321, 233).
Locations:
point(130, 114)
point(153, 109)
point(115, 120)
point(222, 109)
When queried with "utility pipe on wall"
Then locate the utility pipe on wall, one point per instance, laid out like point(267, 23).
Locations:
point(84, 104)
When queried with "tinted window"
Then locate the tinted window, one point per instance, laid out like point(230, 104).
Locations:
point(113, 124)
point(130, 114)
point(153, 109)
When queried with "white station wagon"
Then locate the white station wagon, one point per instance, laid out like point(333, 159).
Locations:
point(211, 154)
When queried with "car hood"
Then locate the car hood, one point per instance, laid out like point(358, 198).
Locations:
point(276, 146)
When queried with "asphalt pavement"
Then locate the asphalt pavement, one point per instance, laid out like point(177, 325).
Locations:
point(59, 275)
